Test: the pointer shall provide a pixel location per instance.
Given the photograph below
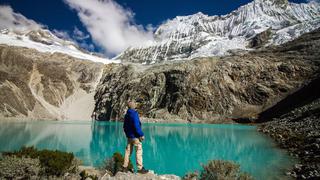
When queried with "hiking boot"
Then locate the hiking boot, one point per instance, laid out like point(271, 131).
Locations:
point(143, 171)
point(126, 169)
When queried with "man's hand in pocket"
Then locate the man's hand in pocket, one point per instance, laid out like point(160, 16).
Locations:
point(141, 138)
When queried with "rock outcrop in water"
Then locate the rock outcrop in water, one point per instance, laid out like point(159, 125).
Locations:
point(210, 88)
point(35, 85)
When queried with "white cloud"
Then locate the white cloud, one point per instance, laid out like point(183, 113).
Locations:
point(15, 21)
point(110, 25)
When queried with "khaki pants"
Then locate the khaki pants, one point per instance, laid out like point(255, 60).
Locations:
point(138, 145)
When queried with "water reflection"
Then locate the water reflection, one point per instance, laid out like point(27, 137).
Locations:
point(106, 139)
point(167, 149)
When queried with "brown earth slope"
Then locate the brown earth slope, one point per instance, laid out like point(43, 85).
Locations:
point(35, 85)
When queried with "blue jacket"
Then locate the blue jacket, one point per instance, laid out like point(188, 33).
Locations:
point(132, 124)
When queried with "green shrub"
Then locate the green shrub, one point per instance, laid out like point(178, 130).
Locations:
point(222, 170)
point(19, 168)
point(114, 164)
point(54, 162)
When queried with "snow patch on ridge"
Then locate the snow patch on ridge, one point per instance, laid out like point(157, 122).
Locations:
point(52, 44)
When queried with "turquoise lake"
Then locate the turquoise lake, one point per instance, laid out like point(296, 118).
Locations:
point(168, 148)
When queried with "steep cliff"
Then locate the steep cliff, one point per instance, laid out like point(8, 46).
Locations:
point(38, 85)
point(200, 35)
point(208, 88)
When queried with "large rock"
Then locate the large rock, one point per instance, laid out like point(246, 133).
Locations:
point(105, 175)
point(209, 88)
point(35, 85)
point(137, 176)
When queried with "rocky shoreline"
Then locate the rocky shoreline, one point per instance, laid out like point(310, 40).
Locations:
point(298, 131)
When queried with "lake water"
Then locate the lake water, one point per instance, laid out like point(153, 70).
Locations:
point(168, 148)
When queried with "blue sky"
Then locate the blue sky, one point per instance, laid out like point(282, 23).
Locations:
point(64, 16)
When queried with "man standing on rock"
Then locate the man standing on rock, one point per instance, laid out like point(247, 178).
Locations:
point(135, 136)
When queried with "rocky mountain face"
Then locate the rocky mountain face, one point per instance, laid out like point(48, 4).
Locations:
point(38, 85)
point(257, 24)
point(240, 85)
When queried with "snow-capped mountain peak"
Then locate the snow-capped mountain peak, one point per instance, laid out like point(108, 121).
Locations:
point(186, 37)
point(278, 3)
